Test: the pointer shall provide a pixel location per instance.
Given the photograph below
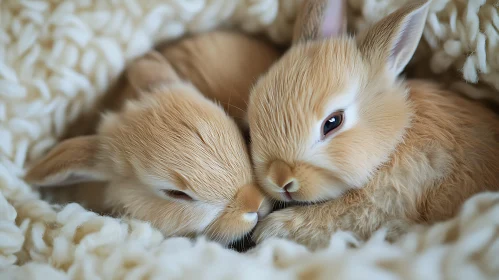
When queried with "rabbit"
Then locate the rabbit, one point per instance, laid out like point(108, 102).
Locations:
point(201, 59)
point(222, 64)
point(337, 131)
point(171, 157)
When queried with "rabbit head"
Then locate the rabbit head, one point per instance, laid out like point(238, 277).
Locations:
point(332, 109)
point(172, 157)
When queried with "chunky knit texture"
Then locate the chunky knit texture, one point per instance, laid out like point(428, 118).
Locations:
point(57, 57)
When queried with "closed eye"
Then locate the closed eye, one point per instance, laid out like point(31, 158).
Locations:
point(178, 195)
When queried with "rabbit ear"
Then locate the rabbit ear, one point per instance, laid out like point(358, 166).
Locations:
point(393, 40)
point(72, 161)
point(319, 19)
point(151, 70)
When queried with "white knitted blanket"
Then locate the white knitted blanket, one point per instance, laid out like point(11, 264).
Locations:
point(57, 57)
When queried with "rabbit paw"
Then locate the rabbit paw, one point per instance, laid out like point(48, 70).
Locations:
point(295, 223)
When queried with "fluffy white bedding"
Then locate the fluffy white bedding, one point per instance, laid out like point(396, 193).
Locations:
point(57, 57)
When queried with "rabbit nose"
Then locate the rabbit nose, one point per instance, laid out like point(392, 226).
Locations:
point(281, 175)
point(291, 186)
point(262, 211)
point(251, 216)
point(253, 203)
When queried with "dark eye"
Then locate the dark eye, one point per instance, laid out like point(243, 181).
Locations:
point(177, 194)
point(332, 123)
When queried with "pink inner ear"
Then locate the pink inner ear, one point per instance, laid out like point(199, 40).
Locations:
point(332, 23)
point(406, 34)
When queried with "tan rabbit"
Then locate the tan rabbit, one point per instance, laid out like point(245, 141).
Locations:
point(332, 122)
point(171, 157)
point(222, 64)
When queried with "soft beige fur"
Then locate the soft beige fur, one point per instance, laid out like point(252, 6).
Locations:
point(196, 58)
point(405, 153)
point(223, 66)
point(58, 57)
point(170, 155)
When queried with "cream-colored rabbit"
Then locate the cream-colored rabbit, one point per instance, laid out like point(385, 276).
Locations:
point(332, 122)
point(223, 65)
point(172, 157)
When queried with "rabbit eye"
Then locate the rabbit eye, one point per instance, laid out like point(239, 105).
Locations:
point(332, 123)
point(177, 194)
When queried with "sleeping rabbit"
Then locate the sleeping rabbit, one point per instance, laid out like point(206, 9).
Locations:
point(170, 155)
point(333, 126)
point(222, 64)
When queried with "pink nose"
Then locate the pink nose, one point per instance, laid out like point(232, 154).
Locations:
point(281, 175)
point(289, 186)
